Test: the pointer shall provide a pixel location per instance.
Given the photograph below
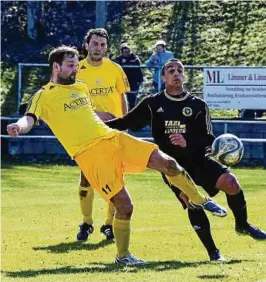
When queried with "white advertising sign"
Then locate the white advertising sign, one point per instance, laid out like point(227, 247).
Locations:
point(235, 87)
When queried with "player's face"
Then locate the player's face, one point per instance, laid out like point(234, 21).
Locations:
point(68, 70)
point(97, 47)
point(174, 74)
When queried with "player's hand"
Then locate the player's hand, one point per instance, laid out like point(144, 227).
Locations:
point(178, 140)
point(13, 129)
point(104, 116)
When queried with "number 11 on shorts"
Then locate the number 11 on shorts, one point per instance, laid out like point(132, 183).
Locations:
point(107, 189)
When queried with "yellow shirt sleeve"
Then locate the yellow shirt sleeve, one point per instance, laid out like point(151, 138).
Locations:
point(122, 84)
point(36, 105)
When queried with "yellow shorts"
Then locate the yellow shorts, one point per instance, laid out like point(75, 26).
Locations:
point(105, 163)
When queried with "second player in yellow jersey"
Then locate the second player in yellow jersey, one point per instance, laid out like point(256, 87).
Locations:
point(107, 83)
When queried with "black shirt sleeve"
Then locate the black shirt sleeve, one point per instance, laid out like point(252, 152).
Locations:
point(137, 118)
point(203, 136)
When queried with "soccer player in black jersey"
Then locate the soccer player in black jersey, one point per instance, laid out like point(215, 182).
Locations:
point(182, 128)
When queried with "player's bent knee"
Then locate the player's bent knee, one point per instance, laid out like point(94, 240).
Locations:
point(229, 184)
point(122, 204)
point(124, 210)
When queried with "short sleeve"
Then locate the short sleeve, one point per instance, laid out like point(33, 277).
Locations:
point(122, 84)
point(36, 106)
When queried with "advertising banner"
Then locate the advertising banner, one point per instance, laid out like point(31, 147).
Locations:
point(235, 87)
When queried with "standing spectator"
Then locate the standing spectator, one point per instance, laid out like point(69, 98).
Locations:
point(134, 75)
point(158, 58)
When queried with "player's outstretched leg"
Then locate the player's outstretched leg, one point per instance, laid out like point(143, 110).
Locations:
point(228, 183)
point(177, 176)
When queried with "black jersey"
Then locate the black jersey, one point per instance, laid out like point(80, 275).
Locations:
point(186, 114)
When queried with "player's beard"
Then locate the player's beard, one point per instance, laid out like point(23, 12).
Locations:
point(96, 58)
point(71, 79)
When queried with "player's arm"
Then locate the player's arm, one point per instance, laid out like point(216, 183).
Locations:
point(124, 104)
point(122, 86)
point(136, 119)
point(104, 116)
point(22, 126)
point(33, 113)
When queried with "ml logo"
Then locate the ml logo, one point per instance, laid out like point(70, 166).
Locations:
point(214, 77)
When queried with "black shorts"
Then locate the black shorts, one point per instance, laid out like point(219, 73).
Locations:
point(204, 174)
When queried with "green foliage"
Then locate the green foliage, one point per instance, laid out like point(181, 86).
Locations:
point(8, 88)
point(40, 216)
point(208, 33)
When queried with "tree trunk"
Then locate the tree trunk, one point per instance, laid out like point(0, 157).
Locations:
point(32, 18)
point(101, 14)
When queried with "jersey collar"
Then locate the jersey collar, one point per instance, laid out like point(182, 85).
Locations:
point(182, 97)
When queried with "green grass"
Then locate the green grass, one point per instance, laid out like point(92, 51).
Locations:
point(40, 214)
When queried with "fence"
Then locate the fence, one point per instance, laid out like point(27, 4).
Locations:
point(32, 85)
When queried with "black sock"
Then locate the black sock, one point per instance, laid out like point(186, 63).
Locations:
point(201, 225)
point(238, 206)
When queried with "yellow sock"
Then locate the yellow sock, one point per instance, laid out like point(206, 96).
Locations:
point(110, 214)
point(86, 197)
point(184, 182)
point(122, 235)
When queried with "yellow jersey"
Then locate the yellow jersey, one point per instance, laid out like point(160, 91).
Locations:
point(68, 111)
point(106, 83)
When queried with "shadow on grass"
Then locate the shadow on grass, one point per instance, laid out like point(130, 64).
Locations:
point(112, 267)
point(73, 246)
point(214, 276)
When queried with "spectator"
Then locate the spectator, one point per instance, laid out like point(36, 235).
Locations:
point(134, 75)
point(158, 58)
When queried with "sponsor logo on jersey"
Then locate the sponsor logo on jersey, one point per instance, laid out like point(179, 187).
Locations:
point(101, 91)
point(174, 127)
point(76, 104)
point(187, 112)
point(160, 110)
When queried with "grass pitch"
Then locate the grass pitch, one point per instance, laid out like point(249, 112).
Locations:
point(40, 217)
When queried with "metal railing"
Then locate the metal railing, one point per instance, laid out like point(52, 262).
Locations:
point(142, 66)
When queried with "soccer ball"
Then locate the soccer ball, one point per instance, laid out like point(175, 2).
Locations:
point(227, 149)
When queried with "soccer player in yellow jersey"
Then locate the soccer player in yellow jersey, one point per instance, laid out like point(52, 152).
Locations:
point(107, 84)
point(103, 154)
